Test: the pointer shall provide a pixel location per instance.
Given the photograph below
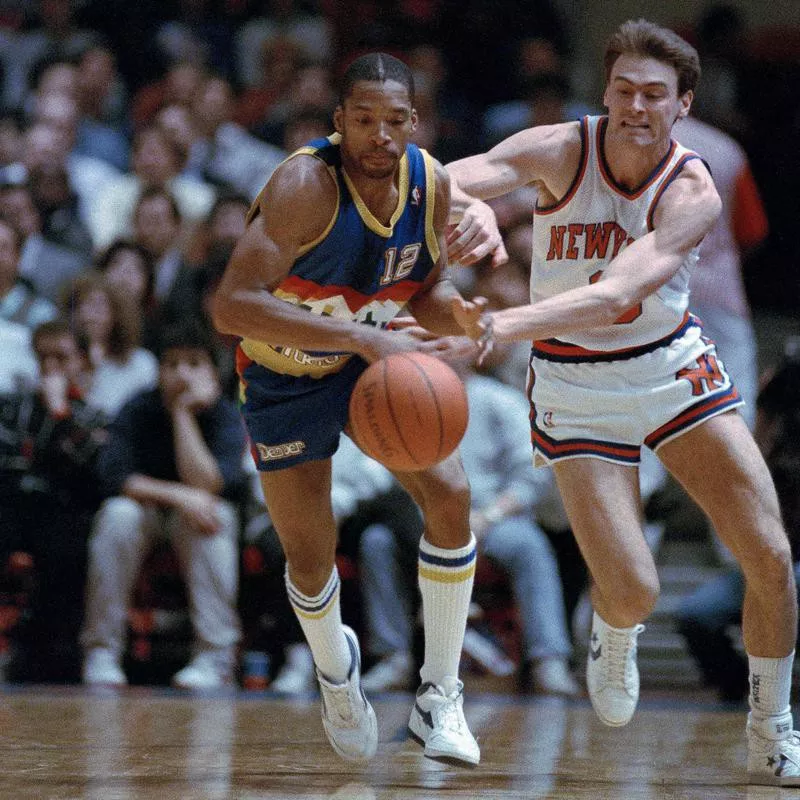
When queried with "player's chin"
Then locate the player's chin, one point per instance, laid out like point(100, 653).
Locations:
point(382, 169)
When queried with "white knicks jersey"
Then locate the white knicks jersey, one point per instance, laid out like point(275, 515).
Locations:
point(576, 239)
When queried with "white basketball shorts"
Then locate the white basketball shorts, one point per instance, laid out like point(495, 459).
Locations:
point(607, 404)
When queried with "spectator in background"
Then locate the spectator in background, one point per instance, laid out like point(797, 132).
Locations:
point(58, 207)
point(453, 135)
point(173, 467)
point(55, 36)
point(178, 123)
point(717, 284)
point(303, 126)
point(706, 616)
point(277, 63)
point(544, 95)
point(100, 95)
point(178, 86)
point(48, 266)
point(721, 44)
point(309, 33)
point(156, 164)
point(49, 441)
point(177, 287)
point(128, 269)
point(11, 128)
point(107, 322)
point(311, 89)
point(51, 140)
point(20, 303)
point(232, 158)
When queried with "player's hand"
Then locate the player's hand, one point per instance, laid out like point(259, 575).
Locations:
point(476, 236)
point(477, 323)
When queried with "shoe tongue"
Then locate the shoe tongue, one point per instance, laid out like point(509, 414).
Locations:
point(449, 685)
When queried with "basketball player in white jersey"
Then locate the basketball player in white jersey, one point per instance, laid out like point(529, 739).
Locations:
point(617, 363)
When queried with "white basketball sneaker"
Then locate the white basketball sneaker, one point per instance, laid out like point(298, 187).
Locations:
point(349, 721)
point(612, 675)
point(773, 753)
point(437, 721)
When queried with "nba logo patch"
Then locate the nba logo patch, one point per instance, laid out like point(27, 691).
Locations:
point(416, 196)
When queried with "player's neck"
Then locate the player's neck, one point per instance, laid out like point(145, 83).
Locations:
point(632, 165)
point(379, 195)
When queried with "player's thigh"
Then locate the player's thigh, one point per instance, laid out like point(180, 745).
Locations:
point(604, 509)
point(722, 469)
point(298, 499)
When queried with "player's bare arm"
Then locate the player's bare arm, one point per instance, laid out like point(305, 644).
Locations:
point(547, 156)
point(295, 209)
point(686, 212)
point(433, 305)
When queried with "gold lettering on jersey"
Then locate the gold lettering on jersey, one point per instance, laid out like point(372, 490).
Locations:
point(586, 241)
point(306, 360)
point(274, 452)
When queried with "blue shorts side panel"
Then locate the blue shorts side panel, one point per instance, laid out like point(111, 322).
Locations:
point(295, 419)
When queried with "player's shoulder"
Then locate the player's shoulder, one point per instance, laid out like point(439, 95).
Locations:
point(302, 183)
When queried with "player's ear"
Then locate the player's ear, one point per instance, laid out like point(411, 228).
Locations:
point(337, 119)
point(414, 119)
point(686, 104)
point(605, 95)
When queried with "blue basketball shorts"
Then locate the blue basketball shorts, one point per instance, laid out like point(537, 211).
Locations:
point(294, 419)
point(607, 404)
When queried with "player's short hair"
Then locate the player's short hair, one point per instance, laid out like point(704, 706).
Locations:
point(641, 37)
point(376, 67)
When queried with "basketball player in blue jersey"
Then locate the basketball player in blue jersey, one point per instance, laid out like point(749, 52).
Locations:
point(617, 363)
point(347, 233)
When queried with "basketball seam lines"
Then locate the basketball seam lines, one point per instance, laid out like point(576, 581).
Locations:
point(439, 415)
point(391, 408)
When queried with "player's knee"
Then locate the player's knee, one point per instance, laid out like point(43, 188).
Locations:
point(769, 562)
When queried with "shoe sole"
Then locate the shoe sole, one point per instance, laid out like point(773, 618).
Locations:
point(758, 779)
point(419, 732)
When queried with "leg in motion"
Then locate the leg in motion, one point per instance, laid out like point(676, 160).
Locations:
point(739, 497)
point(298, 499)
point(446, 572)
point(603, 506)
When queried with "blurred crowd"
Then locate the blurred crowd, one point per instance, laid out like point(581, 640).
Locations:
point(133, 138)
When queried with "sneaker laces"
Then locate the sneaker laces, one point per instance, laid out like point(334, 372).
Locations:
point(620, 652)
point(448, 712)
point(339, 700)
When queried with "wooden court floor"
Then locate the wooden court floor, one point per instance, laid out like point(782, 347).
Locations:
point(138, 744)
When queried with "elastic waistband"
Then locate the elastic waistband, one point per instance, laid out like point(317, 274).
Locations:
point(566, 353)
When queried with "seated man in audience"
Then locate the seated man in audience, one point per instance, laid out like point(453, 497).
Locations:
point(173, 467)
point(49, 441)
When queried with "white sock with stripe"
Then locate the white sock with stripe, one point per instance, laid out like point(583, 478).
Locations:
point(770, 690)
point(320, 618)
point(445, 582)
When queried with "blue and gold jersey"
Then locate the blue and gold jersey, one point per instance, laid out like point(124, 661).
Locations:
point(358, 269)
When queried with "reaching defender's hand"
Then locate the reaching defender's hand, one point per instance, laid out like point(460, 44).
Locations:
point(476, 236)
point(477, 323)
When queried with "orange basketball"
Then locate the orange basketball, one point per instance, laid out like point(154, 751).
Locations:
point(408, 411)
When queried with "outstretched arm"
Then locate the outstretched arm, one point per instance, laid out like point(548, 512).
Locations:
point(433, 306)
